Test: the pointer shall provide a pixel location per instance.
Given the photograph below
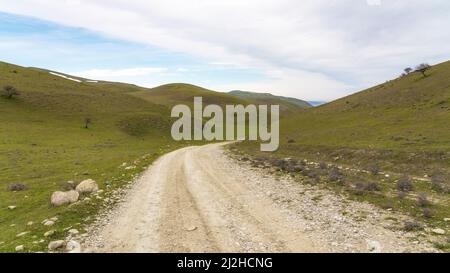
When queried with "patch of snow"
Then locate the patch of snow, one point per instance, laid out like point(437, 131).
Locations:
point(65, 77)
point(92, 81)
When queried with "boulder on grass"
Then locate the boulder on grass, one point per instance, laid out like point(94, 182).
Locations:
point(73, 247)
point(87, 186)
point(54, 245)
point(60, 198)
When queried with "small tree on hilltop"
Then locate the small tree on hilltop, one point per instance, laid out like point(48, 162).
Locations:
point(408, 70)
point(422, 68)
point(9, 92)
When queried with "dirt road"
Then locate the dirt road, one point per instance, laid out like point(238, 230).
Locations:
point(199, 200)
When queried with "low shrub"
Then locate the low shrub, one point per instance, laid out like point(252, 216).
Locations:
point(405, 184)
point(17, 187)
point(374, 169)
point(422, 200)
point(413, 226)
point(427, 213)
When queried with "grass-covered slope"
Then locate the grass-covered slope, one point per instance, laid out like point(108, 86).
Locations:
point(43, 144)
point(397, 129)
point(181, 93)
point(286, 103)
point(410, 113)
point(405, 121)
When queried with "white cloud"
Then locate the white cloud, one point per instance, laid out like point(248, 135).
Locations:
point(316, 46)
point(286, 82)
point(115, 73)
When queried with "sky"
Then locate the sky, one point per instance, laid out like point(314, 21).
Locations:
point(316, 50)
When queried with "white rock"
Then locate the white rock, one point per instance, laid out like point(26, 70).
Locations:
point(54, 219)
point(438, 231)
point(87, 186)
point(447, 219)
point(191, 228)
point(373, 246)
point(30, 223)
point(49, 233)
point(73, 232)
point(20, 248)
point(54, 245)
point(60, 198)
point(73, 247)
point(12, 207)
point(22, 234)
point(49, 223)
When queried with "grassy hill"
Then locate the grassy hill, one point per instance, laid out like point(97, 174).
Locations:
point(43, 144)
point(286, 104)
point(181, 93)
point(409, 113)
point(400, 127)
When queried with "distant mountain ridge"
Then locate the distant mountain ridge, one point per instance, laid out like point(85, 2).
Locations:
point(268, 96)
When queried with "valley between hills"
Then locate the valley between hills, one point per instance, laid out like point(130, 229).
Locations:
point(365, 173)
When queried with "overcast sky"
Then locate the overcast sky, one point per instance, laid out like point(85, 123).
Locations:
point(314, 50)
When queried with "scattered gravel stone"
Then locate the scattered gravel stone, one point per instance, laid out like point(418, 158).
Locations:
point(22, 234)
point(54, 245)
point(49, 233)
point(374, 246)
point(20, 248)
point(73, 231)
point(49, 223)
point(73, 247)
point(438, 231)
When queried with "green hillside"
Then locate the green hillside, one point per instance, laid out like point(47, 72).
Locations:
point(400, 128)
point(181, 93)
point(286, 103)
point(43, 144)
point(410, 114)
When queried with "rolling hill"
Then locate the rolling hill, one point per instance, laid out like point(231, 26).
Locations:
point(409, 113)
point(368, 145)
point(405, 116)
point(181, 93)
point(43, 142)
point(286, 103)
